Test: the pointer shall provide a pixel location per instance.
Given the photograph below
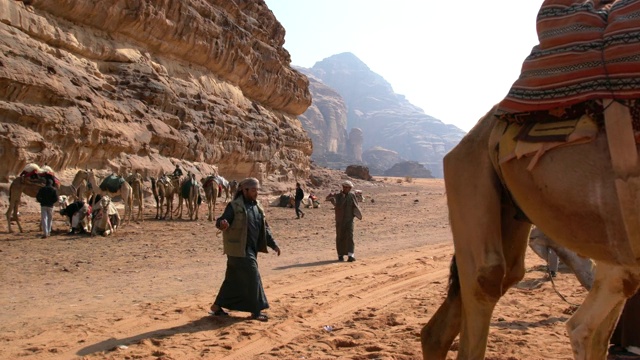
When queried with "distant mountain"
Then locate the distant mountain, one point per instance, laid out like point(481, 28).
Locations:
point(387, 119)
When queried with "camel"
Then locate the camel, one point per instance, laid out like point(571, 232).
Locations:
point(225, 186)
point(163, 190)
point(189, 191)
point(210, 187)
point(233, 187)
point(573, 195)
point(125, 191)
point(106, 217)
point(25, 185)
point(135, 180)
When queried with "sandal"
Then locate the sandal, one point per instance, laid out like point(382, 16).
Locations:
point(260, 317)
point(218, 312)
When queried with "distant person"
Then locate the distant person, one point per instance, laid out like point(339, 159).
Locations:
point(298, 200)
point(245, 232)
point(177, 172)
point(47, 196)
point(625, 340)
point(346, 208)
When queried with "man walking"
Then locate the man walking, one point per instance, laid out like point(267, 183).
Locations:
point(245, 232)
point(47, 196)
point(346, 208)
point(298, 200)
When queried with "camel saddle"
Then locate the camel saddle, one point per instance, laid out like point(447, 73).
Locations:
point(587, 64)
point(208, 180)
point(112, 183)
point(186, 188)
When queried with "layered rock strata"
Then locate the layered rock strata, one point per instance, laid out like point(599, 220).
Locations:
point(142, 85)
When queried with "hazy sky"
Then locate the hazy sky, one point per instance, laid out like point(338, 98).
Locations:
point(454, 59)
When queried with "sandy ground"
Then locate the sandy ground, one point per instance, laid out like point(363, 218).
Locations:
point(144, 293)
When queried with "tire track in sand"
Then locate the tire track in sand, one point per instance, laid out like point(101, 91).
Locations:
point(391, 283)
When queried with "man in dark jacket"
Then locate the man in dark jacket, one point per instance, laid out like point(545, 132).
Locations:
point(47, 197)
point(244, 233)
point(298, 199)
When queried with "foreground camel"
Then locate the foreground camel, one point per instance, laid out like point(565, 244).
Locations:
point(22, 185)
point(210, 187)
point(573, 195)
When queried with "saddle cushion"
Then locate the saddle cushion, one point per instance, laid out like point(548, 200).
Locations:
point(586, 51)
point(112, 183)
point(534, 140)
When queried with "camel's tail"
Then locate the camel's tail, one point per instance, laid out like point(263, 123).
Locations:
point(453, 288)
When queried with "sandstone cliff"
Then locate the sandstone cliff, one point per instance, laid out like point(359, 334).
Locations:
point(141, 84)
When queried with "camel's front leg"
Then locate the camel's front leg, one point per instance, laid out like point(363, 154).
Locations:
point(108, 227)
point(592, 325)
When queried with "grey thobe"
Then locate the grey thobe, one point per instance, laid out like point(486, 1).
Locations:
point(344, 207)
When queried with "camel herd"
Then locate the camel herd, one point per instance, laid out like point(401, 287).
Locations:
point(86, 183)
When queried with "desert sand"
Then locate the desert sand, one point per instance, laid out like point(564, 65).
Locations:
point(145, 292)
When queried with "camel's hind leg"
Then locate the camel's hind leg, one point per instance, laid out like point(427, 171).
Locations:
point(592, 325)
point(489, 251)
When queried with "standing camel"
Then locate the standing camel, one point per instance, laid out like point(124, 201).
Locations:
point(573, 195)
point(225, 186)
point(559, 151)
point(210, 187)
point(189, 191)
point(23, 185)
point(135, 180)
point(125, 191)
point(163, 190)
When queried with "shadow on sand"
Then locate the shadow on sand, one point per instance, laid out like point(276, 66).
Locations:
point(203, 324)
point(315, 263)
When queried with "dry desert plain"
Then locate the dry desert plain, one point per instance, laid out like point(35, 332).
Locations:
point(144, 293)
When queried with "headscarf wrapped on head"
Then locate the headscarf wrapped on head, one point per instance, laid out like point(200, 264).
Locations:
point(347, 183)
point(247, 183)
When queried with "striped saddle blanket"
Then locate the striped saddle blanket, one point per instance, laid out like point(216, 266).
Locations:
point(588, 50)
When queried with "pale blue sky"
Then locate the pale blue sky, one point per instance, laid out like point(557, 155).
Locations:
point(454, 59)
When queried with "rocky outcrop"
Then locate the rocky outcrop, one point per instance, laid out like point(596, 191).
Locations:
point(380, 159)
point(354, 144)
point(409, 168)
point(358, 172)
point(141, 85)
point(387, 119)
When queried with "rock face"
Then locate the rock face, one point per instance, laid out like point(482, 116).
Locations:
point(358, 172)
point(326, 119)
point(381, 159)
point(387, 119)
point(409, 168)
point(354, 144)
point(141, 85)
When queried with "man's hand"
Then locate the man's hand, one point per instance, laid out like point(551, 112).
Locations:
point(224, 224)
point(277, 250)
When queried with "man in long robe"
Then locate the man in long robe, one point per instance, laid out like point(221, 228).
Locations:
point(245, 233)
point(346, 208)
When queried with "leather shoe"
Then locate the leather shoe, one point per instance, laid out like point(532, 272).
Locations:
point(340, 258)
point(351, 259)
